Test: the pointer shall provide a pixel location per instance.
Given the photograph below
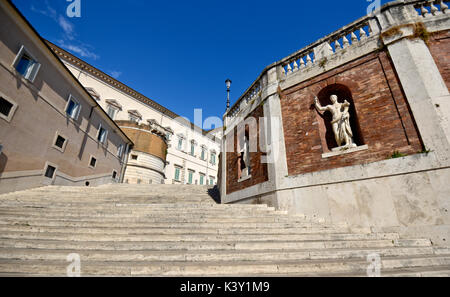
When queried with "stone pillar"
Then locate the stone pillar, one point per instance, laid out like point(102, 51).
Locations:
point(422, 82)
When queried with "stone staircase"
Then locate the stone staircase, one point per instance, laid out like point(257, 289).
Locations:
point(178, 230)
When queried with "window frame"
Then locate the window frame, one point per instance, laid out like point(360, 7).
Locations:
point(66, 140)
point(113, 108)
point(177, 170)
point(31, 74)
point(116, 173)
point(90, 161)
point(47, 165)
point(73, 99)
point(190, 180)
point(105, 139)
point(12, 111)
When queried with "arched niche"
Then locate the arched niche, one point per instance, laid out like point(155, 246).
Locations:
point(326, 131)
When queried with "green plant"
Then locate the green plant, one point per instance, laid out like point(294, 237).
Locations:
point(425, 151)
point(323, 62)
point(397, 154)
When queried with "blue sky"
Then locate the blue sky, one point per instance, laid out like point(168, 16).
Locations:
point(179, 53)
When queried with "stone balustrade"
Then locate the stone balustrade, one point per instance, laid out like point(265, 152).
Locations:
point(431, 8)
point(340, 42)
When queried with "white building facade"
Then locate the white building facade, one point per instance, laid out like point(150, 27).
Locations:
point(192, 154)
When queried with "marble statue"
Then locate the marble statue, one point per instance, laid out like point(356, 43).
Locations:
point(340, 122)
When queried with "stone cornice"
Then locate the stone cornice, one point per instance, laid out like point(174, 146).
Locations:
point(68, 57)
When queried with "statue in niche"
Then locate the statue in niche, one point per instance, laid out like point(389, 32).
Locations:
point(244, 160)
point(340, 122)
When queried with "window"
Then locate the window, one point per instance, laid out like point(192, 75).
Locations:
point(111, 111)
point(73, 108)
point(26, 65)
point(102, 135)
point(60, 142)
point(50, 171)
point(202, 179)
point(177, 173)
point(114, 174)
point(134, 116)
point(180, 144)
point(7, 109)
point(211, 180)
point(192, 148)
point(120, 151)
point(203, 156)
point(1, 149)
point(134, 157)
point(190, 177)
point(213, 158)
point(93, 162)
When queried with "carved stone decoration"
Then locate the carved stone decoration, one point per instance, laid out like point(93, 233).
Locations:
point(340, 122)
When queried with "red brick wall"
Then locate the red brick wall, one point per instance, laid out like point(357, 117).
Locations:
point(383, 116)
point(258, 169)
point(440, 50)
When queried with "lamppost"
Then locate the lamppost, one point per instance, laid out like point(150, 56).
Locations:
point(228, 83)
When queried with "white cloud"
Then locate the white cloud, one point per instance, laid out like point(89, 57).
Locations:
point(80, 50)
point(116, 74)
point(69, 40)
point(67, 27)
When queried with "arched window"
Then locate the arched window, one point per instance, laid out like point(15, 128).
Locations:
point(325, 127)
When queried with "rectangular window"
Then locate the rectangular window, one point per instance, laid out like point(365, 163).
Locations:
point(180, 144)
point(26, 65)
point(73, 108)
point(7, 109)
point(120, 151)
point(114, 175)
point(50, 172)
point(192, 149)
point(177, 173)
point(203, 154)
point(202, 179)
point(93, 162)
point(190, 177)
point(111, 111)
point(211, 180)
point(213, 159)
point(102, 135)
point(133, 119)
point(134, 157)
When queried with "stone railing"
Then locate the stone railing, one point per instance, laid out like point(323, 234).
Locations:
point(252, 93)
point(346, 39)
point(431, 8)
point(343, 39)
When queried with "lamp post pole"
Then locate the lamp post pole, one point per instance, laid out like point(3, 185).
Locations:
point(228, 84)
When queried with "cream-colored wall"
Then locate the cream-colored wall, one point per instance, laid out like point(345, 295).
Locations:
point(174, 156)
point(28, 138)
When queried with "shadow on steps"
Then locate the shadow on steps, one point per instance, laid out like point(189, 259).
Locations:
point(214, 193)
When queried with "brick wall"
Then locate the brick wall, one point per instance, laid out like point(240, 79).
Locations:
point(440, 50)
point(384, 121)
point(258, 170)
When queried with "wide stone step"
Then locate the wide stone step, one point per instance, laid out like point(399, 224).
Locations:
point(152, 224)
point(116, 213)
point(217, 245)
point(194, 237)
point(144, 268)
point(219, 255)
point(181, 230)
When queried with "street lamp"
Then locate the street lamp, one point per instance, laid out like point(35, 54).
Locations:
point(228, 84)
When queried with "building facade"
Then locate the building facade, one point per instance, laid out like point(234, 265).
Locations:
point(354, 128)
point(169, 149)
point(51, 130)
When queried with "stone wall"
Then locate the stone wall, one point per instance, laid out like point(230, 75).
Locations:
point(382, 119)
point(440, 50)
point(258, 169)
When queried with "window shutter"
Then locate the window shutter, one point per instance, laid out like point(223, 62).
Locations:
point(19, 55)
point(34, 72)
